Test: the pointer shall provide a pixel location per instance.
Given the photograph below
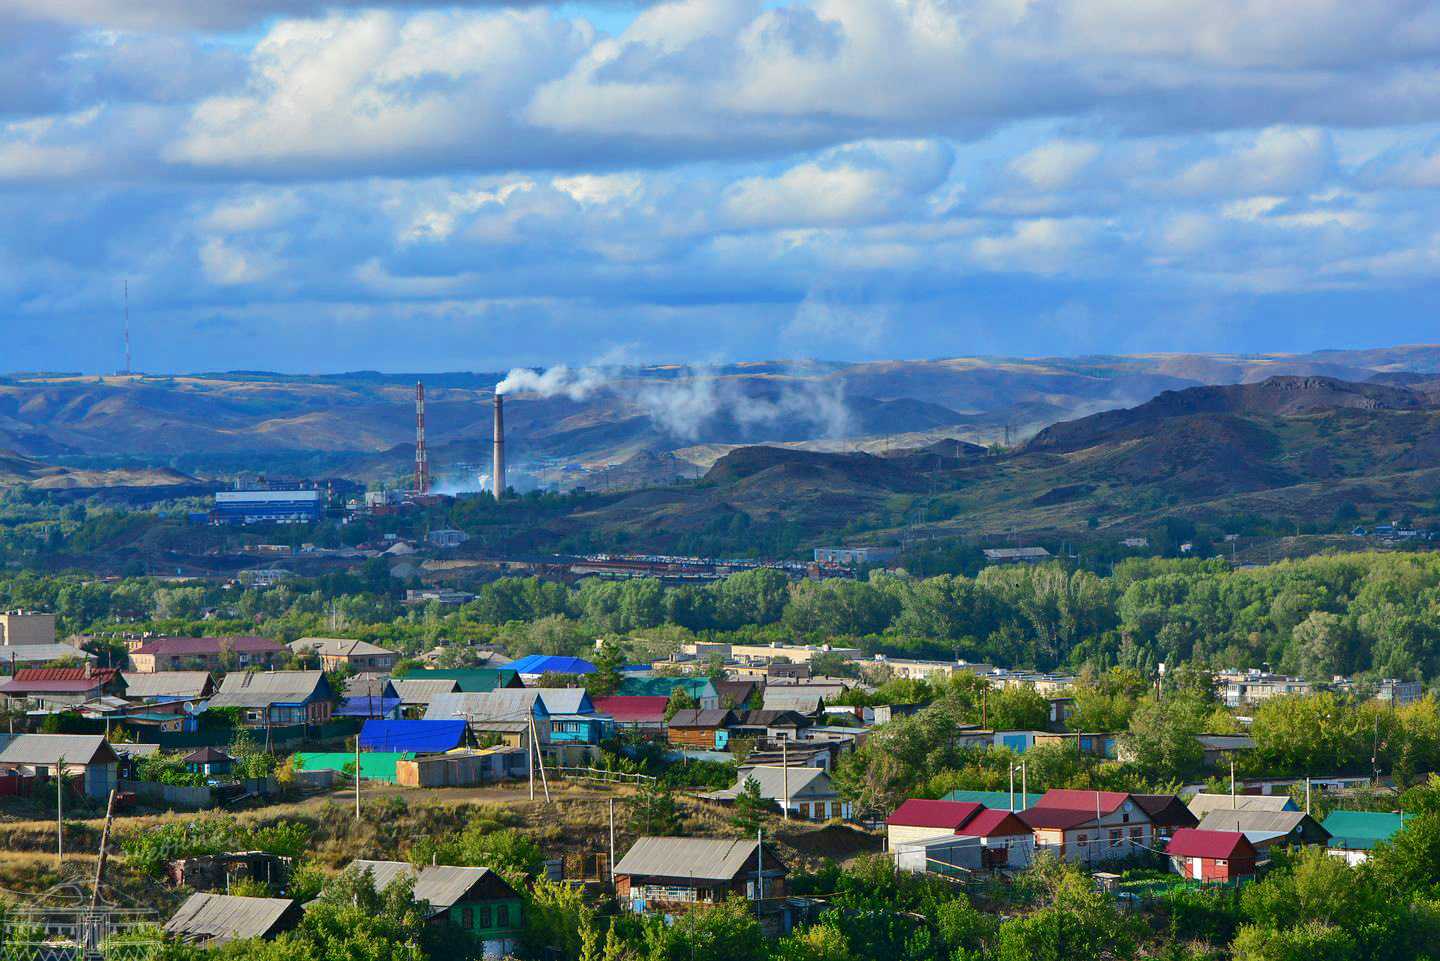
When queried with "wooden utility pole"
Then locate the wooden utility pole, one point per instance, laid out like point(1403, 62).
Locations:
point(357, 775)
point(785, 776)
point(104, 850)
point(612, 840)
point(60, 812)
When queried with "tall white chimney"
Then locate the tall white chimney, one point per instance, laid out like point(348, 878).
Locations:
point(498, 473)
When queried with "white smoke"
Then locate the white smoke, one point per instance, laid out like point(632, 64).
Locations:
point(681, 405)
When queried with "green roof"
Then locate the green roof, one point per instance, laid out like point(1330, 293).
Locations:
point(999, 800)
point(664, 686)
point(472, 680)
point(1361, 830)
point(374, 765)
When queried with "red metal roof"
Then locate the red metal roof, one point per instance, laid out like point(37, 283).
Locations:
point(1221, 845)
point(57, 680)
point(1073, 800)
point(993, 823)
point(946, 815)
point(632, 707)
point(1061, 818)
point(208, 645)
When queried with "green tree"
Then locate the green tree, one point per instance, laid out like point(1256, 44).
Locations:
point(726, 931)
point(750, 808)
point(607, 677)
point(653, 810)
point(680, 700)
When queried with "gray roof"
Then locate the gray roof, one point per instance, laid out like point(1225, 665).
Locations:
point(690, 717)
point(226, 917)
point(510, 704)
point(51, 748)
point(165, 684)
point(807, 782)
point(132, 750)
point(264, 688)
point(1202, 804)
point(1280, 821)
point(563, 700)
point(784, 699)
point(366, 682)
point(1226, 742)
point(337, 647)
point(439, 885)
point(40, 653)
point(703, 859)
point(423, 691)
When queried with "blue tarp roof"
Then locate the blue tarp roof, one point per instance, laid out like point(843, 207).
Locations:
point(551, 664)
point(420, 737)
point(368, 706)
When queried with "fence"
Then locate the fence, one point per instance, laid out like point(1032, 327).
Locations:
point(154, 793)
point(278, 735)
point(598, 774)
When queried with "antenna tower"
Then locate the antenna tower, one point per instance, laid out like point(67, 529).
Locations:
point(127, 328)
point(422, 459)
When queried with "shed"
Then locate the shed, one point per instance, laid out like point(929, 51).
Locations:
point(1202, 855)
point(213, 919)
point(701, 728)
point(87, 755)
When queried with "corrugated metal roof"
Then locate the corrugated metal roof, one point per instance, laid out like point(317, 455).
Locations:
point(264, 688)
point(551, 664)
point(52, 748)
point(1202, 843)
point(1246, 821)
point(778, 699)
point(508, 704)
point(422, 691)
point(633, 708)
point(921, 813)
point(994, 799)
point(439, 885)
point(1202, 804)
point(226, 917)
point(565, 700)
point(701, 859)
point(422, 737)
point(691, 717)
point(166, 684)
point(472, 680)
point(1106, 802)
point(40, 653)
point(990, 823)
point(1361, 830)
point(209, 645)
point(806, 782)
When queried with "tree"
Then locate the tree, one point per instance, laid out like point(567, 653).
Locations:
point(725, 931)
point(680, 700)
point(1311, 941)
point(557, 919)
point(607, 677)
point(750, 808)
point(653, 810)
point(1162, 736)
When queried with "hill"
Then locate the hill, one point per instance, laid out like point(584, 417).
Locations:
point(1299, 448)
point(362, 424)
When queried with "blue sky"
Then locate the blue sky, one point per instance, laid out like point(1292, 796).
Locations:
point(301, 185)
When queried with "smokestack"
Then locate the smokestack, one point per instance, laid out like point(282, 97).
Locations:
point(499, 469)
point(422, 456)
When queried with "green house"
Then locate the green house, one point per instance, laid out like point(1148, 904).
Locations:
point(475, 899)
point(700, 688)
point(1353, 834)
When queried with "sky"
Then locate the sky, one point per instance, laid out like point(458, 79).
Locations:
point(316, 186)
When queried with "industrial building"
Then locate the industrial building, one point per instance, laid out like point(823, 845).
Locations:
point(267, 507)
point(854, 556)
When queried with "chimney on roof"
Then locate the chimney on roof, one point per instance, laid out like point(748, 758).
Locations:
point(89, 669)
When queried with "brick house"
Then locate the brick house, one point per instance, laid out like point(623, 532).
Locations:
point(205, 654)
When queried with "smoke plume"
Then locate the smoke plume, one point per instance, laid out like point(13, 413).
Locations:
point(682, 405)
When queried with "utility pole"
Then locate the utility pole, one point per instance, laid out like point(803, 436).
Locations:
point(357, 775)
point(1012, 789)
point(1233, 802)
point(544, 781)
point(60, 812)
point(612, 841)
point(1024, 790)
point(785, 775)
point(760, 863)
point(104, 851)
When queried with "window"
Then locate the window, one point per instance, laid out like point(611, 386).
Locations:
point(485, 916)
point(467, 918)
point(1115, 837)
point(502, 916)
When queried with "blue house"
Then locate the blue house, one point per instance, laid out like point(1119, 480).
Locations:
point(533, 666)
point(418, 737)
point(572, 716)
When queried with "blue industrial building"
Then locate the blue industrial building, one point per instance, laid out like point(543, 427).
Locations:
point(267, 507)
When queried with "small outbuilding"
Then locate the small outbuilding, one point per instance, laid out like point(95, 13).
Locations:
point(1220, 856)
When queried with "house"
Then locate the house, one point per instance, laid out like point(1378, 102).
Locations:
point(806, 792)
point(338, 652)
point(1167, 814)
point(671, 875)
point(370, 695)
point(1202, 804)
point(1354, 834)
point(52, 687)
point(776, 725)
point(793, 697)
point(505, 714)
point(1016, 555)
point(26, 628)
point(572, 716)
point(277, 697)
point(476, 900)
point(946, 836)
point(14, 657)
point(471, 680)
point(1088, 826)
point(700, 688)
point(534, 666)
point(1219, 748)
point(462, 768)
point(635, 712)
point(208, 761)
point(168, 687)
point(86, 756)
point(1202, 855)
point(1397, 693)
point(205, 654)
point(418, 737)
point(737, 694)
point(415, 694)
point(447, 538)
point(1266, 829)
point(1244, 688)
point(214, 919)
point(702, 729)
